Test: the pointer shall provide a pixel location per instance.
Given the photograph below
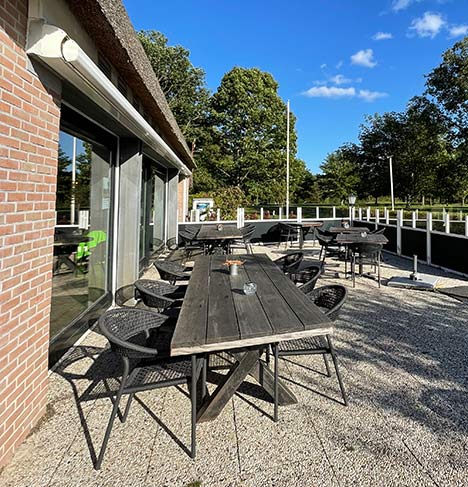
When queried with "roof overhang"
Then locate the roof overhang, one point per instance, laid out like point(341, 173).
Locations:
point(53, 47)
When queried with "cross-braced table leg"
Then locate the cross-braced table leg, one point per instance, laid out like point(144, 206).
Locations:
point(247, 363)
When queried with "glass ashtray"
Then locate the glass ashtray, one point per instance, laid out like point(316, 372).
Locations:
point(250, 288)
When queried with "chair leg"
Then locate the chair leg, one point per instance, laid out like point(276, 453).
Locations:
point(378, 267)
point(338, 375)
point(327, 365)
point(127, 408)
point(353, 269)
point(193, 399)
point(276, 373)
point(115, 409)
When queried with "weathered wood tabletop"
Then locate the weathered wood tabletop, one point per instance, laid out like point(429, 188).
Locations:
point(348, 229)
point(217, 315)
point(352, 238)
point(211, 232)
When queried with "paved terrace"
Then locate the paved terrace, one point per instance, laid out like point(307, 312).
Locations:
point(404, 361)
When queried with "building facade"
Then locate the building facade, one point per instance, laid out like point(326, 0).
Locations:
point(94, 173)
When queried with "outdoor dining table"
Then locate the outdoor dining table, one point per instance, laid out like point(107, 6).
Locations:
point(339, 230)
point(216, 316)
point(305, 229)
point(211, 234)
point(356, 238)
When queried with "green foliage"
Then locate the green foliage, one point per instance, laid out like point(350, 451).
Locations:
point(228, 199)
point(340, 174)
point(182, 83)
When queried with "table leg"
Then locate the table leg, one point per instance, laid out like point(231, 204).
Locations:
point(247, 363)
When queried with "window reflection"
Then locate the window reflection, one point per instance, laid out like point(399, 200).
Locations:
point(82, 227)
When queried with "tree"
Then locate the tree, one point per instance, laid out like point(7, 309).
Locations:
point(340, 174)
point(183, 84)
point(249, 130)
point(448, 84)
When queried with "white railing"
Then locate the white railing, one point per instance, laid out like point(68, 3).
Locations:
point(428, 230)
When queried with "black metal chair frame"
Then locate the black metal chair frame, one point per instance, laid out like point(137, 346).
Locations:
point(171, 271)
point(190, 244)
point(140, 361)
point(290, 262)
point(289, 232)
point(330, 299)
point(367, 253)
point(247, 233)
point(307, 277)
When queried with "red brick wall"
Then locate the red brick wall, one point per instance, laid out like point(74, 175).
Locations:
point(29, 128)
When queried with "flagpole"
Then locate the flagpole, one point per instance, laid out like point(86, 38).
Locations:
point(287, 162)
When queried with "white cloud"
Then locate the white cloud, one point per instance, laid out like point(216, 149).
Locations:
point(382, 36)
point(429, 25)
point(339, 79)
point(401, 5)
point(458, 30)
point(323, 66)
point(330, 92)
point(364, 58)
point(370, 96)
point(337, 92)
point(339, 64)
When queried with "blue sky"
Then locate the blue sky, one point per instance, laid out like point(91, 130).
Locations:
point(336, 60)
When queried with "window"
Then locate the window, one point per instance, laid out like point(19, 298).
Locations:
point(81, 264)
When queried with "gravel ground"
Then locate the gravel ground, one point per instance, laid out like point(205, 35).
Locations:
point(403, 356)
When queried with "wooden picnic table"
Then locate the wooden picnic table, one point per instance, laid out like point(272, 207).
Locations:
point(355, 238)
point(211, 232)
point(217, 316)
point(338, 230)
point(218, 240)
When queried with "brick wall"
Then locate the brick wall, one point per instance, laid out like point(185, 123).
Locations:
point(29, 128)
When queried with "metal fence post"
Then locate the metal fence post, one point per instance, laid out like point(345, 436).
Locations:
point(466, 226)
point(368, 213)
point(239, 217)
point(317, 212)
point(218, 215)
point(399, 225)
point(387, 216)
point(360, 214)
point(280, 213)
point(414, 216)
point(299, 213)
point(334, 212)
point(428, 237)
point(377, 218)
point(261, 213)
point(447, 222)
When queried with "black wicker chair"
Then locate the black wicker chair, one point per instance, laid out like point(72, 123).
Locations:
point(327, 243)
point(366, 253)
point(190, 244)
point(290, 263)
point(329, 299)
point(307, 277)
point(156, 294)
point(171, 271)
point(128, 297)
point(288, 233)
point(247, 233)
point(129, 332)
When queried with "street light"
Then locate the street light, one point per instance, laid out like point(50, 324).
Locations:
point(390, 162)
point(352, 202)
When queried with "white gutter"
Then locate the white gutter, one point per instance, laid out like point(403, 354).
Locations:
point(54, 47)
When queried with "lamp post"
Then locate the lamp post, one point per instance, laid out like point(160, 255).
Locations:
point(390, 162)
point(352, 202)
